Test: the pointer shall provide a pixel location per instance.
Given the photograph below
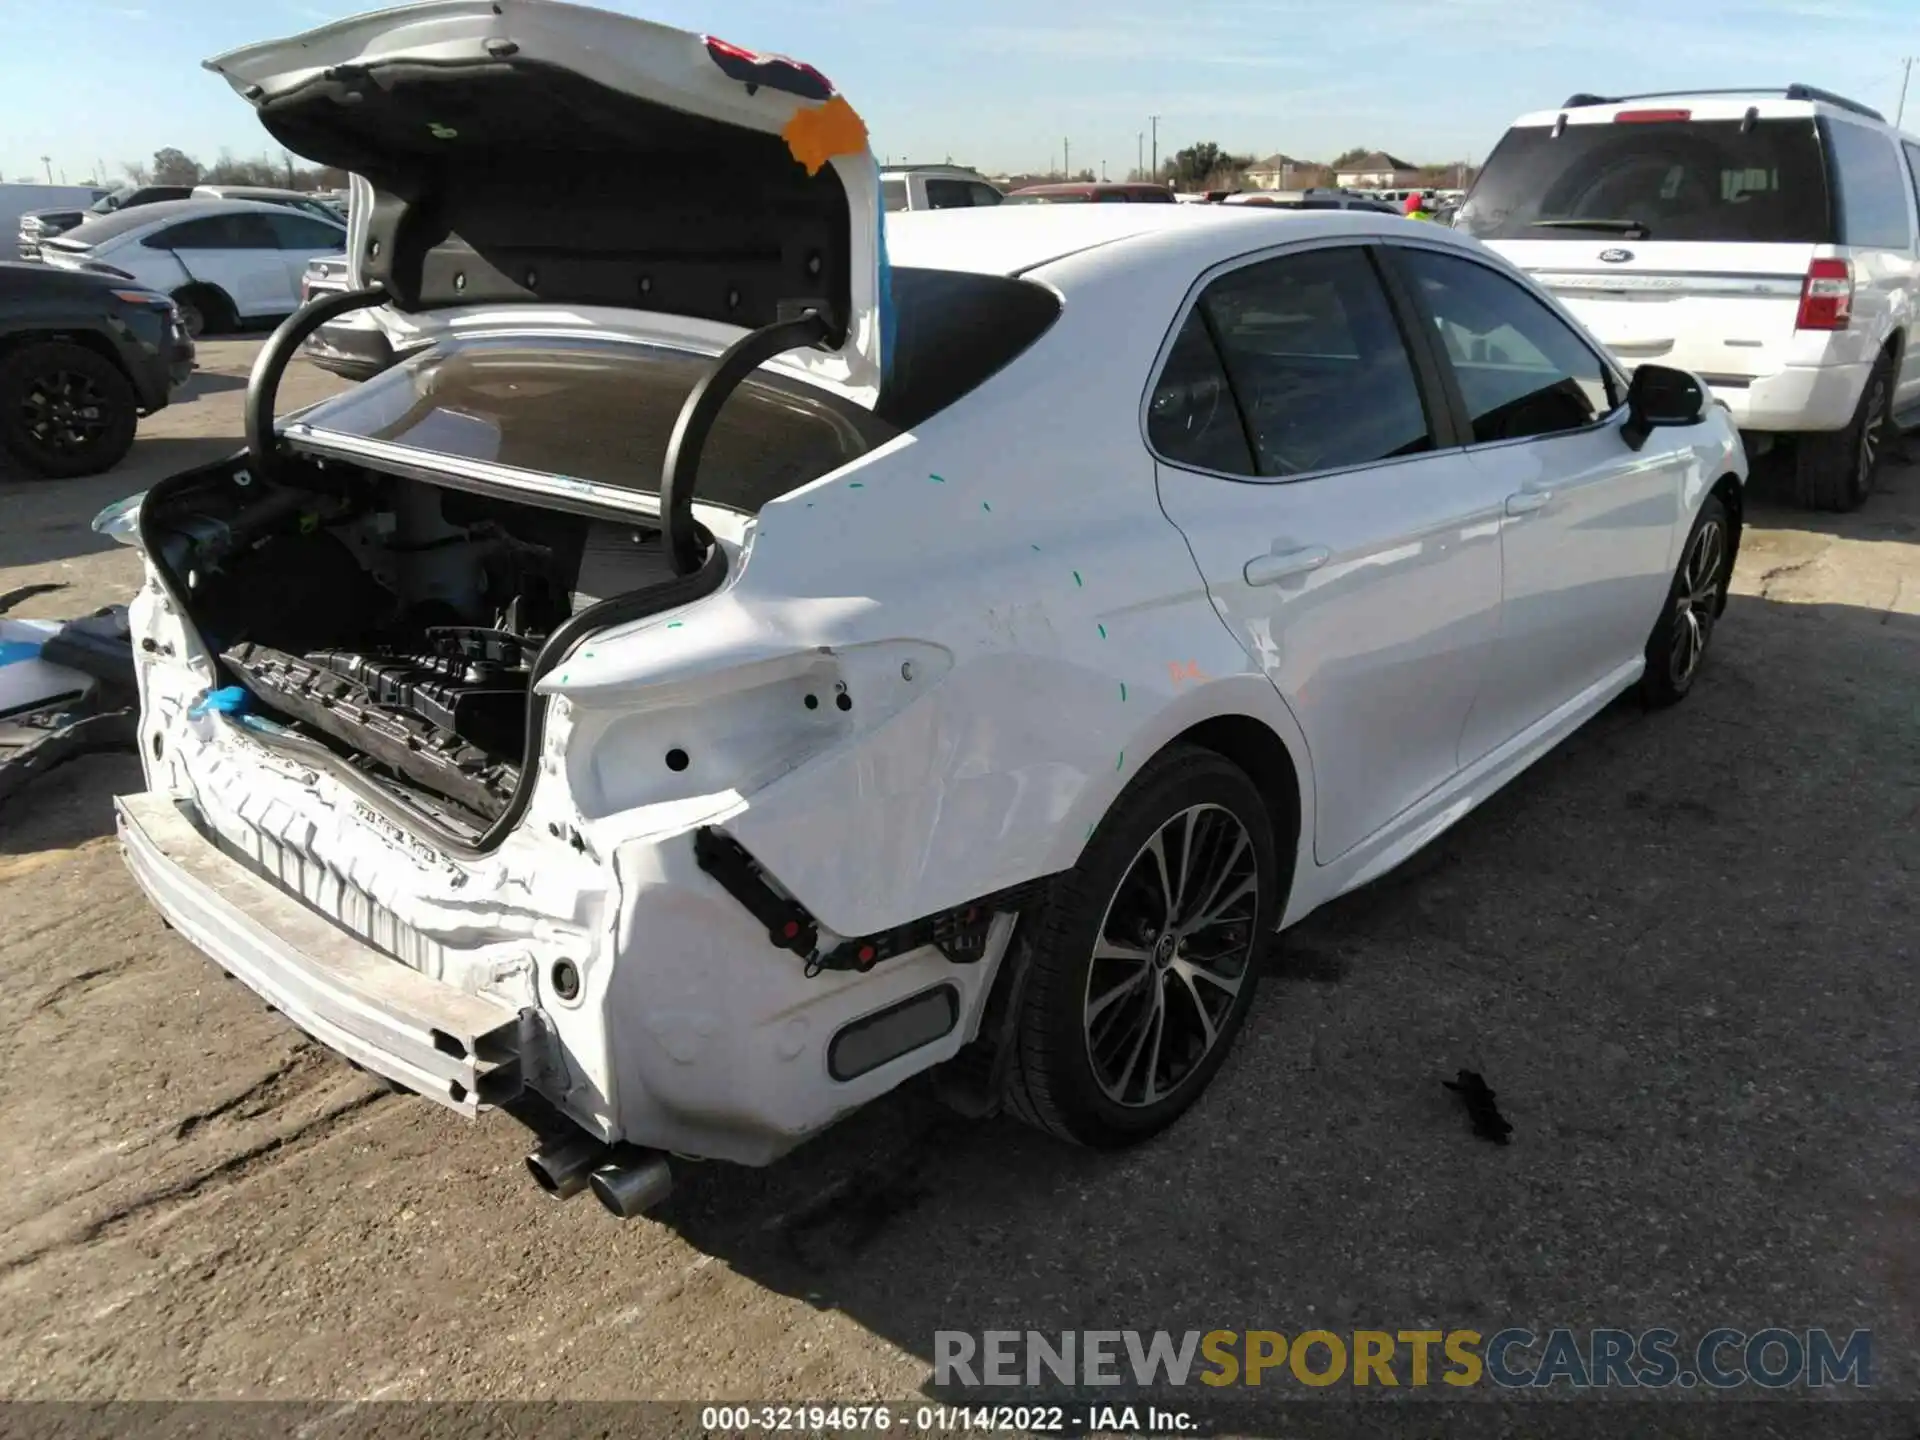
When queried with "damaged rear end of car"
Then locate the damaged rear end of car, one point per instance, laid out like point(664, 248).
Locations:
point(435, 762)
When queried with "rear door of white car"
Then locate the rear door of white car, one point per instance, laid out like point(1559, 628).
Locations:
point(237, 251)
point(1590, 525)
point(303, 238)
point(1306, 453)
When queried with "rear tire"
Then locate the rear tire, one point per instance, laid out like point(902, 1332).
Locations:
point(65, 411)
point(204, 309)
point(1837, 470)
point(1678, 646)
point(1132, 1002)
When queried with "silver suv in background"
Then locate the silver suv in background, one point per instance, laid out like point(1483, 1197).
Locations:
point(1763, 239)
point(936, 187)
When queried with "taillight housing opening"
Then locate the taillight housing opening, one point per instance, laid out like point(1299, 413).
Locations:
point(1651, 117)
point(1826, 296)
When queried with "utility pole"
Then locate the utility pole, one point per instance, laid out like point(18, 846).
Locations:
point(47, 160)
point(1906, 74)
point(1066, 159)
point(1155, 119)
point(1140, 154)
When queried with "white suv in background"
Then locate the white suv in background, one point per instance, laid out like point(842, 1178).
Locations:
point(1764, 240)
point(936, 187)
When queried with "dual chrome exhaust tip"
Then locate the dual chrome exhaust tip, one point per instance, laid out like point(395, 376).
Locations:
point(626, 1179)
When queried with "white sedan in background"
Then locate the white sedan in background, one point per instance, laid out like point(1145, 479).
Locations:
point(223, 261)
point(1072, 597)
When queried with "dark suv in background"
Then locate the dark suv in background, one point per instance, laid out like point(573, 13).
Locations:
point(82, 358)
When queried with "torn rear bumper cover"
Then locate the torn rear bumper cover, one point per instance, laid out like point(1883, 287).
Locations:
point(459, 1049)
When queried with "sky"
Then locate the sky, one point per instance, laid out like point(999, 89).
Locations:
point(1003, 85)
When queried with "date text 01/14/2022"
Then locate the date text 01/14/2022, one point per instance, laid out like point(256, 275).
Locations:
point(934, 1419)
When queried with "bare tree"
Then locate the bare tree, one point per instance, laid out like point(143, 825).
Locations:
point(175, 167)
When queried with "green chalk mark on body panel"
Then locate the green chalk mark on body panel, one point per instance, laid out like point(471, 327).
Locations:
point(1103, 631)
point(938, 479)
point(1123, 690)
point(986, 507)
point(1078, 582)
point(1121, 762)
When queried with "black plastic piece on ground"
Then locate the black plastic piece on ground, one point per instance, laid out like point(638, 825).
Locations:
point(83, 731)
point(681, 468)
point(96, 645)
point(263, 384)
point(789, 926)
point(1488, 1122)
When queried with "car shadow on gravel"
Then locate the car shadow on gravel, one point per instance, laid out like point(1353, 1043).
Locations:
point(1678, 949)
point(52, 520)
point(69, 805)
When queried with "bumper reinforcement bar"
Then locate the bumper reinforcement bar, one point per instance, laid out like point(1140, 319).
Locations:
point(458, 1049)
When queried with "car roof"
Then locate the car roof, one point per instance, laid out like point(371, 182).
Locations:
point(123, 222)
point(242, 192)
point(1015, 239)
point(1082, 187)
point(1701, 105)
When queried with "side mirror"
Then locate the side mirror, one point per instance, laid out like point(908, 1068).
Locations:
point(1658, 396)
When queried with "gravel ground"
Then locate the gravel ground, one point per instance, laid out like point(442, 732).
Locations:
point(1681, 949)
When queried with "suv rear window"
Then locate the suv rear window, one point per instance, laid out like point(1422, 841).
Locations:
point(1678, 180)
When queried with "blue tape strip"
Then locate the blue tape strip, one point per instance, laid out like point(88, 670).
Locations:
point(231, 701)
point(12, 652)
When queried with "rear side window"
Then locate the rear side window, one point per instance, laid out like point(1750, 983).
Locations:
point(1673, 180)
point(1193, 418)
point(949, 195)
point(249, 231)
point(1873, 191)
point(1522, 372)
point(1317, 362)
point(303, 232)
point(893, 194)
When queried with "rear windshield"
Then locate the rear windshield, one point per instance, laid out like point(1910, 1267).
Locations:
point(1667, 180)
point(602, 410)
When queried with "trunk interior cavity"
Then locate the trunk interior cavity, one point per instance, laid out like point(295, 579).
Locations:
point(398, 624)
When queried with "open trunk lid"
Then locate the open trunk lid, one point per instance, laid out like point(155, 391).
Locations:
point(549, 153)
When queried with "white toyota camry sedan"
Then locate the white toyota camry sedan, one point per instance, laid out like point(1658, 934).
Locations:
point(763, 649)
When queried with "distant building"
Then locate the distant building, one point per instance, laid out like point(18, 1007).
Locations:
point(1378, 171)
point(1278, 172)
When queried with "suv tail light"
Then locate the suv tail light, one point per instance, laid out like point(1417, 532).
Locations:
point(1826, 296)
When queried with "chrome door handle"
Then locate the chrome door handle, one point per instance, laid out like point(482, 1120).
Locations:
point(1525, 502)
point(1273, 568)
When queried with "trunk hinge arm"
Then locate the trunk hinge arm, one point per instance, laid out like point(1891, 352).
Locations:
point(263, 384)
point(686, 545)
